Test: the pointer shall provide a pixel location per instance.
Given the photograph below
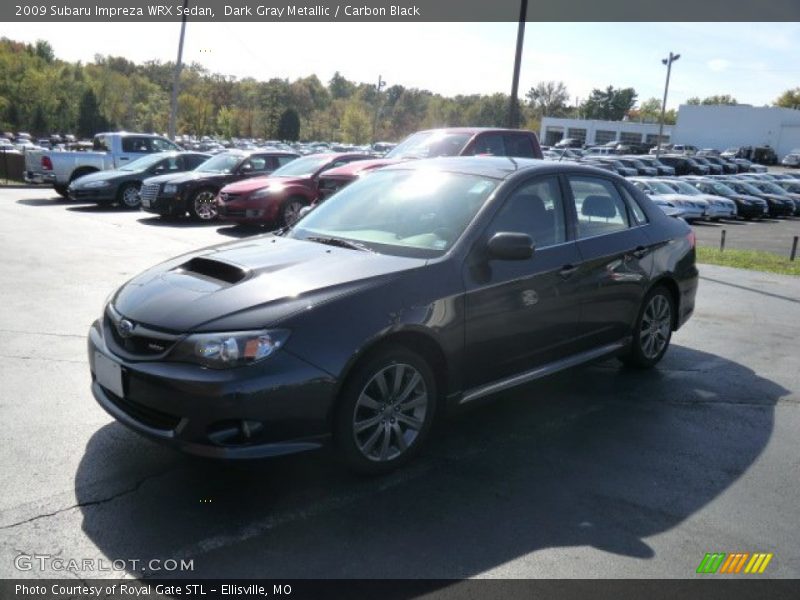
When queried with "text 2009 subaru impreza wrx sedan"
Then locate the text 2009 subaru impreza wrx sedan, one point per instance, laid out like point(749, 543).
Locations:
point(421, 287)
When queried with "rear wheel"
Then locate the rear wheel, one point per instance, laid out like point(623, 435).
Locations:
point(128, 196)
point(290, 211)
point(653, 330)
point(386, 411)
point(203, 205)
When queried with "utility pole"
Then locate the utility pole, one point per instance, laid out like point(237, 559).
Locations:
point(666, 61)
point(513, 108)
point(378, 88)
point(176, 81)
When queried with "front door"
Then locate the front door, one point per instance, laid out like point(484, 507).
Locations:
point(521, 313)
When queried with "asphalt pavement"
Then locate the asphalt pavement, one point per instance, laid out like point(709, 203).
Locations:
point(597, 472)
point(769, 235)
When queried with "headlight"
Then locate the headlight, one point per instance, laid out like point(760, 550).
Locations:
point(170, 188)
point(261, 194)
point(232, 349)
point(96, 184)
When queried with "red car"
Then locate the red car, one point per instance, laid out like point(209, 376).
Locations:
point(333, 180)
point(278, 198)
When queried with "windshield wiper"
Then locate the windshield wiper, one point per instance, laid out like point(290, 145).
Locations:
point(342, 243)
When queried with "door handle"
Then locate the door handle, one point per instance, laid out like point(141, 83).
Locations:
point(567, 271)
point(640, 252)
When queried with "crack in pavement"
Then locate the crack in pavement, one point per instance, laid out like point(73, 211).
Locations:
point(135, 488)
point(67, 335)
point(44, 358)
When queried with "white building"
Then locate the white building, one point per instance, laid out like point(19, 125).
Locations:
point(718, 126)
point(723, 126)
point(594, 132)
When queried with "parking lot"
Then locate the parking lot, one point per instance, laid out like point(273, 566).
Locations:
point(600, 472)
point(768, 235)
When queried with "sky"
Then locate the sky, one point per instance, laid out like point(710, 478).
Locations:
point(753, 62)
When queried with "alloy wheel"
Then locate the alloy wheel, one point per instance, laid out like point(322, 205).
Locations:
point(130, 197)
point(204, 206)
point(390, 412)
point(655, 327)
point(291, 212)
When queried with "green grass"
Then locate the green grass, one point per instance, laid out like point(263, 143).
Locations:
point(755, 260)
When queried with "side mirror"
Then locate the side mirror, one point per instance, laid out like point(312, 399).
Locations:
point(506, 245)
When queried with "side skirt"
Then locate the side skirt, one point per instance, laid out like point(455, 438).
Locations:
point(543, 371)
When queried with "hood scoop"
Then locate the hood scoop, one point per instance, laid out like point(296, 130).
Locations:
point(213, 269)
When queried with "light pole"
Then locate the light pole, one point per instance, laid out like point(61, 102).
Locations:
point(667, 61)
point(378, 88)
point(513, 108)
point(176, 81)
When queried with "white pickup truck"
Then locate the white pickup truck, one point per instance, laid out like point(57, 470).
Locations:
point(109, 151)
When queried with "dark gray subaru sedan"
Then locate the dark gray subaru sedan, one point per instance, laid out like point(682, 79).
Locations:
point(420, 288)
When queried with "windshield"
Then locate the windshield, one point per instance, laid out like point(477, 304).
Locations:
point(770, 187)
point(428, 144)
point(143, 163)
point(746, 188)
point(722, 189)
point(418, 213)
point(660, 188)
point(302, 167)
point(684, 188)
point(221, 163)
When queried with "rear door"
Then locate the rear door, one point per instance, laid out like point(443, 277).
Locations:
point(522, 313)
point(616, 258)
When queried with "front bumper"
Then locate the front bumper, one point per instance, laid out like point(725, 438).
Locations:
point(245, 210)
point(164, 204)
point(279, 406)
point(106, 194)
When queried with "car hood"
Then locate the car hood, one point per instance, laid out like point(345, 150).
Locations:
point(257, 183)
point(251, 283)
point(101, 176)
point(186, 176)
point(681, 197)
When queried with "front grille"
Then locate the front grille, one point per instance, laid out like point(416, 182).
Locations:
point(142, 342)
point(144, 414)
point(149, 192)
point(228, 197)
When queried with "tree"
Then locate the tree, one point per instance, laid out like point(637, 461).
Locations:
point(356, 126)
point(340, 87)
point(694, 101)
point(289, 125)
point(789, 99)
point(548, 98)
point(90, 121)
point(723, 99)
point(610, 104)
point(44, 51)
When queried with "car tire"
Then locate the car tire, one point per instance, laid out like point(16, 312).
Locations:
point(61, 190)
point(128, 196)
point(202, 206)
point(653, 330)
point(385, 411)
point(290, 210)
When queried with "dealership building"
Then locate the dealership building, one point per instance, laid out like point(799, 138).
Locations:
point(718, 126)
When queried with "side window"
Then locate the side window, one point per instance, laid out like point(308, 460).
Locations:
point(162, 145)
point(285, 160)
point(255, 164)
point(173, 163)
point(101, 144)
point(489, 143)
point(518, 145)
point(136, 144)
point(599, 207)
point(194, 160)
point(636, 210)
point(535, 208)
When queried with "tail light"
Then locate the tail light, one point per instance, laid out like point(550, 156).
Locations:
point(691, 238)
point(47, 164)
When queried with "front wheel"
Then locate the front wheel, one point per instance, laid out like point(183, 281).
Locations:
point(203, 205)
point(290, 211)
point(386, 411)
point(653, 330)
point(128, 196)
point(61, 190)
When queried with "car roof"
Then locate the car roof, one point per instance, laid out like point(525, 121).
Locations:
point(472, 130)
point(495, 167)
